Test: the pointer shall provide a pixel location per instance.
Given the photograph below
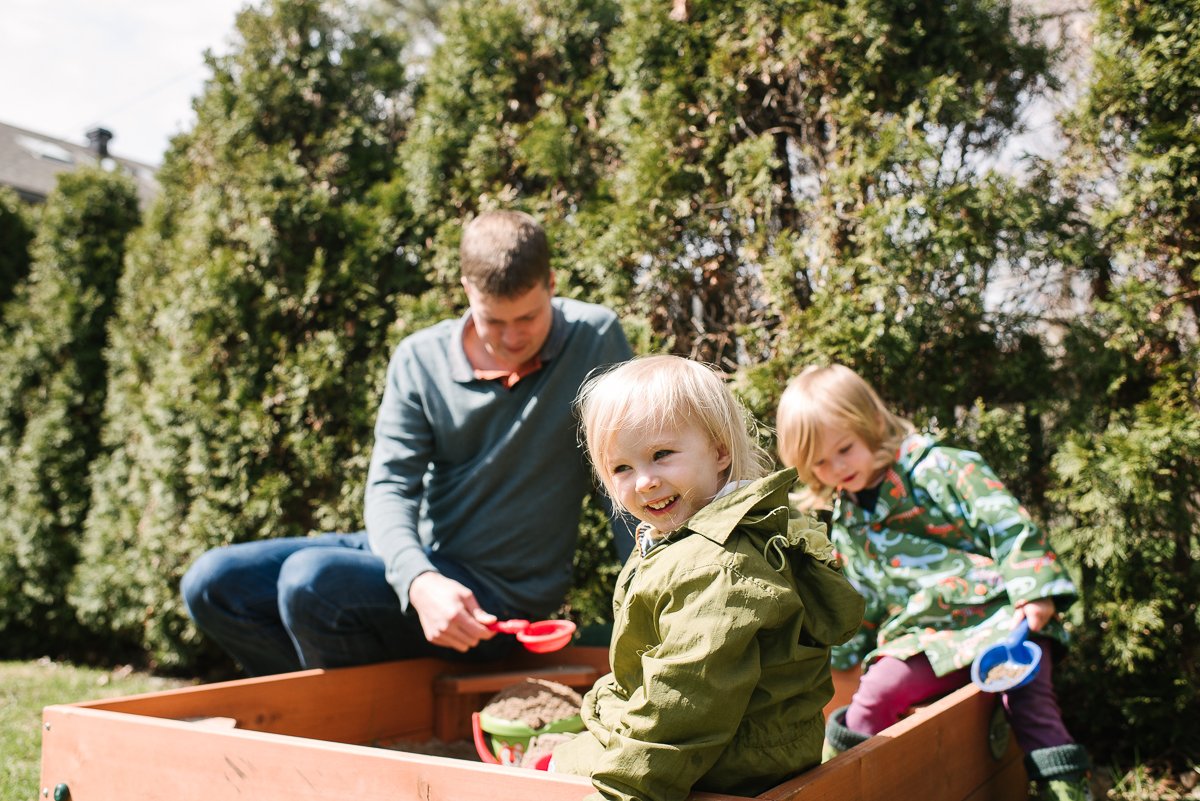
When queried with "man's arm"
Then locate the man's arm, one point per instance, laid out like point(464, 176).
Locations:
point(404, 437)
point(395, 479)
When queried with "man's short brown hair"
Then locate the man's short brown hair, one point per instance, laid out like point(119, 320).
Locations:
point(504, 253)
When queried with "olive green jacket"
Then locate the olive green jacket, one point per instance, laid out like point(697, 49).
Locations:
point(720, 655)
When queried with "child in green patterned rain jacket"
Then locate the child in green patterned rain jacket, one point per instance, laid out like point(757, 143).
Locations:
point(725, 613)
point(947, 559)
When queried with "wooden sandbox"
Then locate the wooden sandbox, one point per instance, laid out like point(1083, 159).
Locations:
point(317, 734)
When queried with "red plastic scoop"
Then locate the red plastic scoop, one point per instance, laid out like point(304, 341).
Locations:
point(541, 636)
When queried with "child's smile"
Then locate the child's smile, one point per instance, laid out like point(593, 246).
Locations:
point(666, 476)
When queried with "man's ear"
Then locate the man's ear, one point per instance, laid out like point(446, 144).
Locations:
point(550, 284)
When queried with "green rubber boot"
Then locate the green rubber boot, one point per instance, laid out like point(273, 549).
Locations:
point(839, 737)
point(1061, 773)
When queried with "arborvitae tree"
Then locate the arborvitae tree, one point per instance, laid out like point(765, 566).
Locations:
point(1128, 473)
point(807, 177)
point(16, 235)
point(52, 391)
point(754, 182)
point(253, 329)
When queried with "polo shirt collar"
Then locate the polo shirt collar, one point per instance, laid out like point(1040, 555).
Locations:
point(460, 366)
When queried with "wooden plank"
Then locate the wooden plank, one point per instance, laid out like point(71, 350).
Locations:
point(1009, 784)
point(140, 747)
point(391, 700)
point(353, 705)
point(939, 753)
point(577, 676)
point(108, 756)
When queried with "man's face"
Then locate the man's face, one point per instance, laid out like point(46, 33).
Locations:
point(512, 329)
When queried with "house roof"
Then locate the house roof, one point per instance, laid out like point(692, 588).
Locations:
point(30, 163)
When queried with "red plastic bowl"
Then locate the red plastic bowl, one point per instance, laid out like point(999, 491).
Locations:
point(546, 635)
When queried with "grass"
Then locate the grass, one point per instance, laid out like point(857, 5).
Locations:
point(26, 687)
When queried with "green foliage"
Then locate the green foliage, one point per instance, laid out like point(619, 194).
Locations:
point(595, 571)
point(1132, 525)
point(1125, 478)
point(253, 331)
point(1144, 108)
point(1125, 485)
point(16, 235)
point(52, 392)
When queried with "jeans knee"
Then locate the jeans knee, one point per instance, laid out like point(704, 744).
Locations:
point(196, 586)
point(303, 581)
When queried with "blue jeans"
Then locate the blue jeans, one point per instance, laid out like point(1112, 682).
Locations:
point(317, 602)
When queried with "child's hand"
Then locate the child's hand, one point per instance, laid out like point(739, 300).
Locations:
point(1038, 613)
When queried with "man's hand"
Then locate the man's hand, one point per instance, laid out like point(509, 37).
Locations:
point(1038, 613)
point(450, 615)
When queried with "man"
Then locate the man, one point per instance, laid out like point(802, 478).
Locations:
point(473, 493)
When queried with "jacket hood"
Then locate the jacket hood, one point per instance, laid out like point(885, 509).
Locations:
point(790, 541)
point(750, 506)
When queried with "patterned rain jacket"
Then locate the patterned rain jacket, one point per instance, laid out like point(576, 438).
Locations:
point(942, 559)
point(720, 655)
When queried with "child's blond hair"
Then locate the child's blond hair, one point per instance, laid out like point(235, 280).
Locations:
point(834, 395)
point(653, 392)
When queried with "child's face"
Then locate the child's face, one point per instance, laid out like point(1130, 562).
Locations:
point(844, 460)
point(666, 476)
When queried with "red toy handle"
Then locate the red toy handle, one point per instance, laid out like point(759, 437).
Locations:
point(481, 746)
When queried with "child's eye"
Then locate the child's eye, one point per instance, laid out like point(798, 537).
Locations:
point(844, 449)
point(662, 454)
point(621, 468)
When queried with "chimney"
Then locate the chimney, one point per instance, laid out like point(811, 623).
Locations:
point(98, 139)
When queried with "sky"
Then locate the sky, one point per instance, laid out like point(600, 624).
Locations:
point(131, 66)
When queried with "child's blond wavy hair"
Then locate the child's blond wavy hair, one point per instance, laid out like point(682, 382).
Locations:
point(652, 392)
point(834, 395)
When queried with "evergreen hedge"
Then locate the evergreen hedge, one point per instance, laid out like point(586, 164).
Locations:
point(52, 391)
point(255, 321)
point(16, 235)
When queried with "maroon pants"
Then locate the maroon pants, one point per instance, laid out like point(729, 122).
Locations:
point(891, 686)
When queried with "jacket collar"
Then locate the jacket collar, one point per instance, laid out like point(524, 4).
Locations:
point(757, 499)
point(894, 489)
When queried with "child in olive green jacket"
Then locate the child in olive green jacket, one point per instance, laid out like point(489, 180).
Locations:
point(726, 611)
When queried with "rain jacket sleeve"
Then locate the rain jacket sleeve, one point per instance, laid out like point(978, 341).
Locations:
point(967, 489)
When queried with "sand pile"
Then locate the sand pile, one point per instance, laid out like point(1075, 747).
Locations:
point(534, 702)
